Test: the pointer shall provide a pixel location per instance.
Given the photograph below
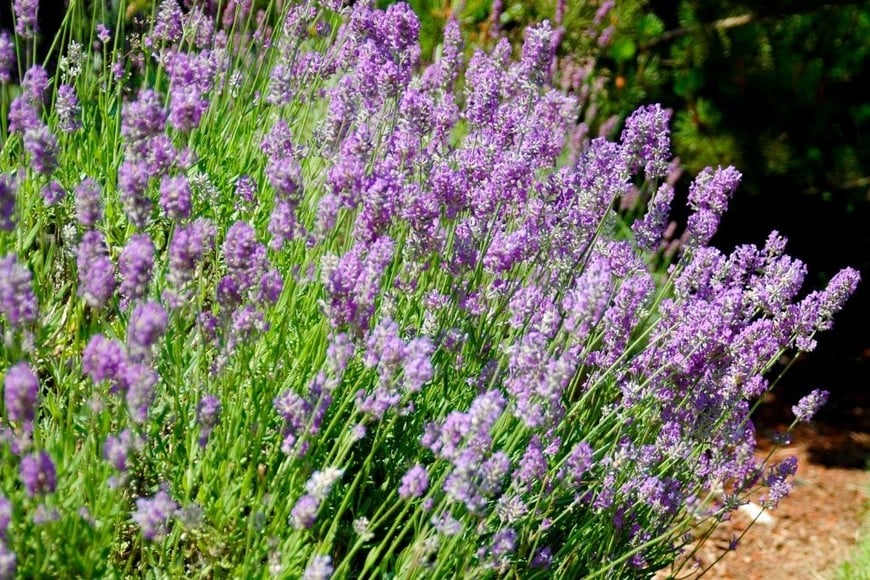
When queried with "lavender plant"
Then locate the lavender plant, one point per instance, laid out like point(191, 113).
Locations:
point(316, 309)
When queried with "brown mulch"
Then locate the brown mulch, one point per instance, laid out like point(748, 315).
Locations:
point(814, 529)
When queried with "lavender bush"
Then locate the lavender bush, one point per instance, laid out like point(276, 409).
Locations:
point(277, 298)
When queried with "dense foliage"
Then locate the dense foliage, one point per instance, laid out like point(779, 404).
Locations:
point(279, 299)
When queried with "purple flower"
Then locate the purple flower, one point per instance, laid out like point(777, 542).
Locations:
point(533, 464)
point(809, 405)
point(294, 409)
point(384, 348)
point(414, 482)
point(339, 353)
point(280, 85)
point(304, 512)
point(208, 413)
point(228, 293)
point(649, 230)
point(191, 78)
point(5, 518)
point(245, 257)
point(283, 225)
point(492, 473)
point(778, 483)
point(20, 393)
point(41, 145)
point(417, 366)
point(135, 264)
point(199, 24)
point(103, 33)
point(68, 109)
point(133, 179)
point(663, 495)
point(7, 561)
point(646, 139)
point(104, 360)
point(832, 300)
point(153, 515)
point(168, 24)
point(353, 282)
point(278, 142)
point(285, 176)
point(89, 208)
point(117, 449)
point(484, 79)
point(708, 196)
point(147, 324)
point(503, 542)
point(270, 287)
point(537, 380)
point(543, 558)
point(320, 568)
point(140, 381)
point(378, 402)
point(816, 311)
point(26, 24)
point(245, 323)
point(35, 84)
point(186, 249)
point(8, 192)
point(96, 271)
point(23, 115)
point(17, 300)
point(8, 59)
point(143, 117)
point(246, 190)
point(38, 474)
point(53, 193)
point(175, 197)
point(577, 463)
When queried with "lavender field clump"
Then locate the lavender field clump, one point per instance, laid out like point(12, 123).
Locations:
point(277, 298)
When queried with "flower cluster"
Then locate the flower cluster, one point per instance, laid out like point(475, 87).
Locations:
point(299, 264)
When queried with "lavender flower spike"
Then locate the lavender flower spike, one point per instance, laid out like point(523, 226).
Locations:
point(154, 514)
point(135, 263)
point(17, 300)
point(320, 568)
point(708, 196)
point(208, 413)
point(38, 474)
point(88, 204)
point(304, 513)
point(175, 197)
point(147, 324)
point(7, 57)
point(104, 359)
point(68, 109)
point(20, 393)
point(809, 405)
point(117, 449)
point(96, 270)
point(414, 482)
point(26, 24)
point(646, 139)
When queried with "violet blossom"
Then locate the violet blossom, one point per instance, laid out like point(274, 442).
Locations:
point(20, 392)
